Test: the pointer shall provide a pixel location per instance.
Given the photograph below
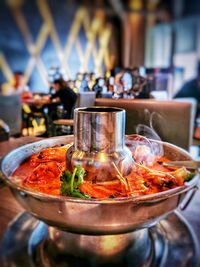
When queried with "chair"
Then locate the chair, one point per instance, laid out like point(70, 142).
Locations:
point(194, 105)
point(171, 120)
point(65, 126)
point(11, 113)
point(85, 99)
point(34, 123)
point(162, 86)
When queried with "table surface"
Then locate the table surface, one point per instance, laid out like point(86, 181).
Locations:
point(9, 207)
point(42, 101)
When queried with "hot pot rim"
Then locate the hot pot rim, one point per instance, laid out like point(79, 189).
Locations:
point(134, 199)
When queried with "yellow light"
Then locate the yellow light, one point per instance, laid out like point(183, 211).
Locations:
point(152, 4)
point(102, 157)
point(71, 84)
point(75, 90)
point(78, 83)
point(26, 108)
point(108, 74)
point(15, 3)
point(95, 28)
point(91, 84)
point(136, 4)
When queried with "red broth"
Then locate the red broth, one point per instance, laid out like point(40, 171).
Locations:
point(41, 172)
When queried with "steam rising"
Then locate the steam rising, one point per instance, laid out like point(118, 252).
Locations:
point(146, 145)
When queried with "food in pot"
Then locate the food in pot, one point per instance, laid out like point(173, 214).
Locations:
point(50, 172)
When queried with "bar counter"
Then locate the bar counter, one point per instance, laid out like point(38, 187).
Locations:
point(9, 207)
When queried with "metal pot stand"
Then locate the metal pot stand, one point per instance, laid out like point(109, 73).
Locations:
point(170, 243)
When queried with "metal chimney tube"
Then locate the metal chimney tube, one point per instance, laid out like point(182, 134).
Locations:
point(99, 143)
point(99, 129)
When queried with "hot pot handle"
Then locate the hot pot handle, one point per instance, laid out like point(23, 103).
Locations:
point(189, 196)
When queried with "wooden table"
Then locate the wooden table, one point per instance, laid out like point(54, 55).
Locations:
point(42, 101)
point(64, 122)
point(9, 208)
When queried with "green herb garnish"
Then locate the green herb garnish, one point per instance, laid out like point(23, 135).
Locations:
point(189, 176)
point(70, 182)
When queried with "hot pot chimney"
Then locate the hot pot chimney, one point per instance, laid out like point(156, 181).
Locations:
point(99, 142)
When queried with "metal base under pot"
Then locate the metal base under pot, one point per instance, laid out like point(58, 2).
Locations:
point(30, 242)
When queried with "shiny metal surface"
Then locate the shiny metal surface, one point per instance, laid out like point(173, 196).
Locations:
point(105, 248)
point(89, 216)
point(27, 242)
point(99, 141)
point(189, 164)
point(99, 129)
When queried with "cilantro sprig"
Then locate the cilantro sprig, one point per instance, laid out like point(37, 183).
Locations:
point(70, 182)
point(189, 176)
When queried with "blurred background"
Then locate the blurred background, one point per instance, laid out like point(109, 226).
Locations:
point(45, 38)
point(112, 48)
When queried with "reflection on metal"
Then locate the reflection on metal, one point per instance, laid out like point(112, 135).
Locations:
point(99, 142)
point(136, 5)
point(94, 28)
point(29, 242)
point(119, 215)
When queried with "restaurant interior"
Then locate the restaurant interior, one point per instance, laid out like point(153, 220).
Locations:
point(99, 133)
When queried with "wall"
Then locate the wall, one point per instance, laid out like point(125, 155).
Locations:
point(36, 35)
point(177, 45)
point(158, 46)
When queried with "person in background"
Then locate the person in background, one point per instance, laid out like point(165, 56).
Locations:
point(140, 88)
point(16, 86)
point(66, 95)
point(118, 83)
point(191, 89)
